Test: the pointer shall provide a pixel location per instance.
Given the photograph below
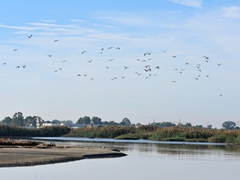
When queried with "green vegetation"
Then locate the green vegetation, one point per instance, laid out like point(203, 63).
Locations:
point(174, 133)
point(8, 130)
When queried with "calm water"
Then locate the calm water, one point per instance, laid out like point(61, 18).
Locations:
point(144, 161)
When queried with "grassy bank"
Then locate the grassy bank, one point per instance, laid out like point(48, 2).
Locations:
point(187, 134)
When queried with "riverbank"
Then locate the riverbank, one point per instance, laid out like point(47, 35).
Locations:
point(40, 154)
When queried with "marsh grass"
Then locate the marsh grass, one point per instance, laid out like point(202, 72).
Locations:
point(188, 134)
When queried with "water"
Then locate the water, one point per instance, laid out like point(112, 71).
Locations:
point(144, 161)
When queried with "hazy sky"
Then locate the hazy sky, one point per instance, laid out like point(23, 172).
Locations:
point(195, 44)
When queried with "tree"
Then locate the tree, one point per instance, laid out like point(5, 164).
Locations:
point(167, 124)
point(209, 126)
point(199, 126)
point(40, 121)
point(188, 125)
point(84, 120)
point(96, 120)
point(7, 120)
point(125, 122)
point(55, 121)
point(228, 125)
point(30, 121)
point(18, 119)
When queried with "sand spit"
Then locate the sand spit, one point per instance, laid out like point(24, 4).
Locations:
point(30, 153)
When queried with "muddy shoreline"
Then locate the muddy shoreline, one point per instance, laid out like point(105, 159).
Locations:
point(31, 153)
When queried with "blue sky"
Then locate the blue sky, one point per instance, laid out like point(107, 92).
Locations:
point(187, 87)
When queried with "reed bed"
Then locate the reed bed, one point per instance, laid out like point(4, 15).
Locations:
point(177, 133)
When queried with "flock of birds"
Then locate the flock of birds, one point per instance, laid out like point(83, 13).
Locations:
point(147, 71)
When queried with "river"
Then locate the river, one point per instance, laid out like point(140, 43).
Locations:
point(145, 160)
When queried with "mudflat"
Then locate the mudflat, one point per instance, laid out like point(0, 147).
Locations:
point(39, 154)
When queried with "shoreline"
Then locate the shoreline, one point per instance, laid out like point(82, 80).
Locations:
point(26, 154)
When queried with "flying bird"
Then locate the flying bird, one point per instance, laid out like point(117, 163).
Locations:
point(84, 52)
point(15, 50)
point(30, 36)
point(24, 66)
point(49, 55)
point(56, 40)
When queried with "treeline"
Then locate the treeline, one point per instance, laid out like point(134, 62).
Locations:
point(8, 130)
point(149, 132)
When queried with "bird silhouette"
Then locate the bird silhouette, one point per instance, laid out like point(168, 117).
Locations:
point(30, 36)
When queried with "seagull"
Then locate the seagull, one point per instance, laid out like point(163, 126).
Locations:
point(174, 56)
point(111, 47)
point(219, 64)
point(123, 77)
point(196, 78)
point(92, 79)
point(149, 53)
point(50, 55)
point(102, 49)
point(17, 67)
point(220, 95)
point(157, 67)
point(174, 82)
point(24, 66)
point(4, 63)
point(60, 69)
point(84, 52)
point(30, 36)
point(90, 61)
point(63, 60)
point(79, 75)
point(85, 75)
point(15, 50)
point(207, 76)
point(55, 71)
point(56, 40)
point(144, 54)
point(186, 63)
point(206, 57)
point(126, 67)
point(107, 67)
point(110, 59)
point(118, 48)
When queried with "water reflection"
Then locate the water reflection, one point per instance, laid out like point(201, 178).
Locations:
point(190, 151)
point(144, 161)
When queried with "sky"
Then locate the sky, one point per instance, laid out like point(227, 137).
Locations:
point(149, 61)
